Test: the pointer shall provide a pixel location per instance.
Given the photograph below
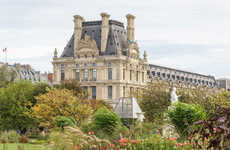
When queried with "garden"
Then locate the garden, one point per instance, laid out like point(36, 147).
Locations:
point(61, 117)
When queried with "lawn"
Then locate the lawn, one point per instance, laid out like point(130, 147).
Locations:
point(25, 146)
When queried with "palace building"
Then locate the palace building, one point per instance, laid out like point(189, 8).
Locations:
point(104, 57)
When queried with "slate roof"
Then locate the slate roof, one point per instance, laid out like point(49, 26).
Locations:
point(116, 38)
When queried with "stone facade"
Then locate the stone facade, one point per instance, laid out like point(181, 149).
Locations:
point(224, 83)
point(180, 76)
point(103, 57)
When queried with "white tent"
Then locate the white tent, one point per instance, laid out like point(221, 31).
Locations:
point(129, 108)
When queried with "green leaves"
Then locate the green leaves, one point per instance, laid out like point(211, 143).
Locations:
point(106, 120)
point(154, 102)
point(183, 116)
point(15, 105)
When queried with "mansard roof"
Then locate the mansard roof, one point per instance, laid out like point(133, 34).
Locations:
point(116, 38)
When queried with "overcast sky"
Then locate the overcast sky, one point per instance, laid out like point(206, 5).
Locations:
point(191, 35)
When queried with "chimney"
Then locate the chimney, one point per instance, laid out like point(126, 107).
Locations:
point(77, 31)
point(130, 27)
point(104, 30)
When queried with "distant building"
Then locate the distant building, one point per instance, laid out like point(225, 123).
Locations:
point(46, 78)
point(224, 83)
point(180, 76)
point(24, 72)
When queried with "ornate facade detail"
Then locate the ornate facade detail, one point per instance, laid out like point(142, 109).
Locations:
point(87, 42)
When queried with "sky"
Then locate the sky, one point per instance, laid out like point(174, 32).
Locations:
point(191, 35)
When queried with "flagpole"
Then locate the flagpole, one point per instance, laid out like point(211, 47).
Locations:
point(6, 55)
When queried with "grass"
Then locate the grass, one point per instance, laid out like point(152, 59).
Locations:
point(13, 146)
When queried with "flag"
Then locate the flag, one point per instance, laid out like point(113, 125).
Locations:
point(4, 49)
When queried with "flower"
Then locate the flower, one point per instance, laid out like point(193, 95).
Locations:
point(91, 133)
point(134, 142)
point(172, 138)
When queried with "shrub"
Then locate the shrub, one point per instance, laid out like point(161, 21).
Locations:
point(62, 121)
point(213, 133)
point(184, 115)
point(9, 137)
point(106, 120)
point(23, 139)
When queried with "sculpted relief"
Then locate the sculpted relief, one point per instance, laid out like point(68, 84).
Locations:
point(87, 42)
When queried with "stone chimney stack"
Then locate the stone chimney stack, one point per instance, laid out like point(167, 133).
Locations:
point(130, 27)
point(77, 31)
point(104, 30)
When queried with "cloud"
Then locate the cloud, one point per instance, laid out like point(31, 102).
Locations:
point(192, 35)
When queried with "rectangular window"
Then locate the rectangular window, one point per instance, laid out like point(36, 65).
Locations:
point(110, 73)
point(86, 88)
point(123, 91)
point(94, 75)
point(131, 91)
point(86, 75)
point(62, 72)
point(137, 76)
point(143, 77)
point(78, 75)
point(130, 75)
point(123, 74)
point(110, 92)
point(94, 92)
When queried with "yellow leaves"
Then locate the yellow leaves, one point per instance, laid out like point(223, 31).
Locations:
point(60, 102)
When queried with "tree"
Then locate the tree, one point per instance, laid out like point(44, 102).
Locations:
point(184, 115)
point(200, 96)
point(6, 76)
point(15, 104)
point(38, 89)
point(154, 101)
point(60, 102)
point(74, 86)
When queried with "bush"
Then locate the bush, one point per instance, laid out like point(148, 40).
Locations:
point(9, 137)
point(62, 121)
point(184, 115)
point(23, 139)
point(106, 120)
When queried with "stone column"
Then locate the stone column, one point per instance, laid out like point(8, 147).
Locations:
point(130, 27)
point(77, 32)
point(104, 30)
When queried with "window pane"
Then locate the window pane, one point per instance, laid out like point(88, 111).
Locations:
point(110, 74)
point(110, 92)
point(62, 72)
point(77, 75)
point(86, 75)
point(94, 74)
point(94, 92)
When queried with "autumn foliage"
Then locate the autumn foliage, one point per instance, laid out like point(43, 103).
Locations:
point(60, 102)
